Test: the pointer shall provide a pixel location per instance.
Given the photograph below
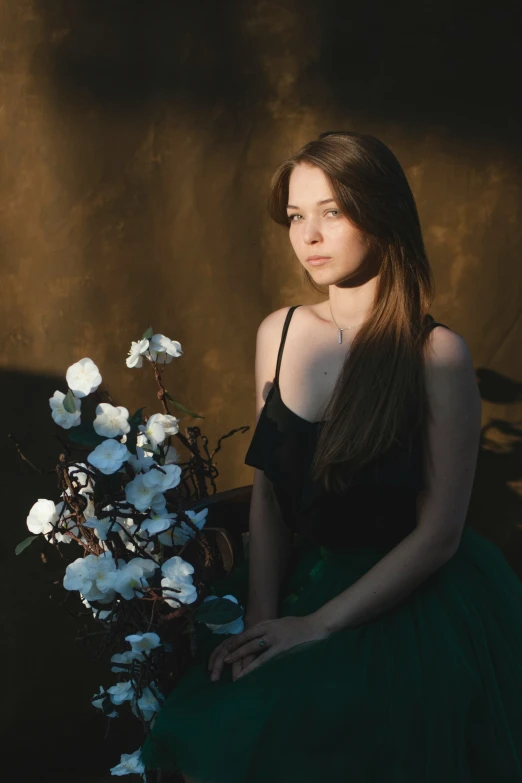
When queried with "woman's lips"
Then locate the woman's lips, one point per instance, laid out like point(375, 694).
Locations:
point(317, 261)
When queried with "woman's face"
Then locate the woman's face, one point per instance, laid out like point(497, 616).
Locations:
point(320, 229)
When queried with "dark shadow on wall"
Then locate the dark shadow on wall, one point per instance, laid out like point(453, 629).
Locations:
point(496, 507)
point(127, 54)
point(419, 64)
point(422, 64)
point(48, 727)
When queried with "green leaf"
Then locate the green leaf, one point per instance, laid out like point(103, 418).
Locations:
point(69, 403)
point(137, 417)
point(132, 436)
point(85, 435)
point(182, 407)
point(218, 612)
point(148, 333)
point(24, 544)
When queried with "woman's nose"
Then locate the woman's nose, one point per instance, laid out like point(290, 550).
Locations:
point(311, 232)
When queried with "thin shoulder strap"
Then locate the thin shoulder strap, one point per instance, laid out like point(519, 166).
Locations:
point(283, 338)
point(434, 323)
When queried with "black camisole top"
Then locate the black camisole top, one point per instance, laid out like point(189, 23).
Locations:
point(379, 508)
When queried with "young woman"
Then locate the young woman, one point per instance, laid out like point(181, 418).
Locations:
point(383, 637)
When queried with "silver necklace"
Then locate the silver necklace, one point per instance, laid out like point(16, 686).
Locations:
point(340, 332)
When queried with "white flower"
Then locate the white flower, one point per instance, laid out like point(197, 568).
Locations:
point(177, 592)
point(111, 421)
point(102, 570)
point(146, 489)
point(235, 626)
point(109, 456)
point(138, 493)
point(130, 763)
point(60, 415)
point(121, 692)
point(163, 478)
point(154, 431)
point(142, 460)
point(137, 349)
point(167, 538)
point(181, 533)
point(83, 377)
point(157, 523)
point(76, 577)
point(143, 641)
point(148, 704)
point(172, 455)
point(93, 576)
point(177, 568)
point(98, 699)
point(42, 517)
point(177, 582)
point(133, 575)
point(163, 350)
point(158, 427)
point(169, 423)
point(126, 657)
point(101, 526)
point(158, 502)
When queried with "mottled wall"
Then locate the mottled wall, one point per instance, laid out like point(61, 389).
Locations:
point(137, 140)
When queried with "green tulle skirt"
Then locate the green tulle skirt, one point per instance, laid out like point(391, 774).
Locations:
point(429, 691)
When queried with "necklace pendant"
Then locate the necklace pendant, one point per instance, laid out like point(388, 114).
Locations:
point(340, 337)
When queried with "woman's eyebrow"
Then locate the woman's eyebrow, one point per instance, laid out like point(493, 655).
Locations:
point(324, 201)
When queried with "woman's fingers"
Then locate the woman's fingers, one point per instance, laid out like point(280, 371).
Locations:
point(218, 653)
point(246, 649)
point(218, 663)
point(213, 655)
point(224, 653)
point(223, 646)
point(238, 666)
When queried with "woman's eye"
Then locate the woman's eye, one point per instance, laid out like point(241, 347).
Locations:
point(297, 215)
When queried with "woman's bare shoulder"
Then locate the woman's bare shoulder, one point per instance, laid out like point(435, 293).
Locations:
point(446, 344)
point(274, 321)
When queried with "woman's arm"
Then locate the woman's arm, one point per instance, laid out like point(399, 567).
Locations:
point(449, 468)
point(269, 539)
point(269, 550)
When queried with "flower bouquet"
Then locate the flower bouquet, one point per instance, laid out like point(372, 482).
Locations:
point(142, 561)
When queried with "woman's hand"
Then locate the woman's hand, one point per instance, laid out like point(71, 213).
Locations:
point(279, 635)
point(217, 657)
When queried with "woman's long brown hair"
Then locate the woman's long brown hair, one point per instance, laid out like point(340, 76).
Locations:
point(380, 396)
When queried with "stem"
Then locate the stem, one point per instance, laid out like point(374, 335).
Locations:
point(25, 459)
point(161, 389)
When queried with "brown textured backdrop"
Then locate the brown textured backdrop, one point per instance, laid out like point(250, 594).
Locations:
point(137, 139)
